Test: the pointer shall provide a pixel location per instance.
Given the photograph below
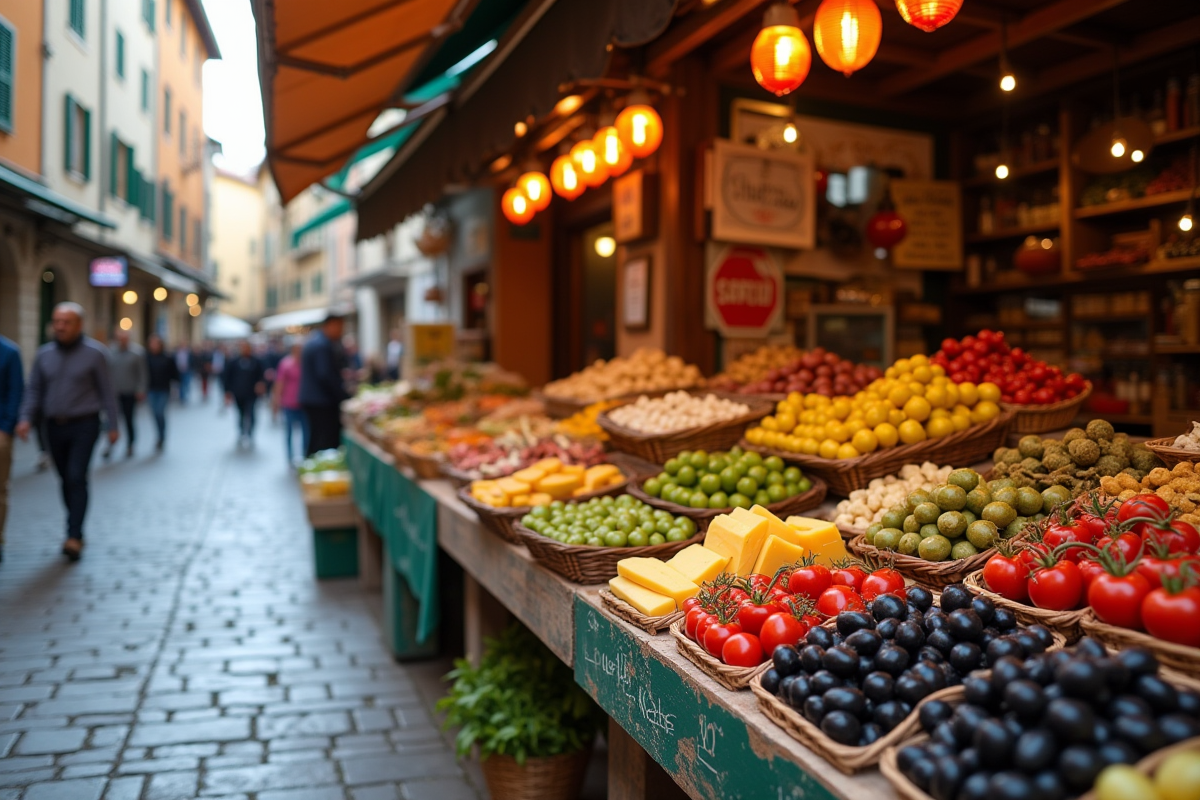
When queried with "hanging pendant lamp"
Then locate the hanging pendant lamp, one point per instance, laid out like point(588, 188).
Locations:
point(780, 56)
point(928, 15)
point(847, 33)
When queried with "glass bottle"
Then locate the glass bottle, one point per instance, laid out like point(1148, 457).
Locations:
point(1156, 117)
point(1174, 105)
point(1191, 106)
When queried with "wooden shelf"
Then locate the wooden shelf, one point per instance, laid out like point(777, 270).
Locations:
point(1121, 419)
point(1136, 204)
point(1019, 281)
point(1019, 232)
point(1173, 349)
point(1143, 317)
point(1177, 136)
point(1034, 325)
point(1016, 173)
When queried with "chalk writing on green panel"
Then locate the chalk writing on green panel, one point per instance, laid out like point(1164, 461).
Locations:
point(705, 748)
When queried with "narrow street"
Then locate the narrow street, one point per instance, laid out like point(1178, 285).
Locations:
point(191, 653)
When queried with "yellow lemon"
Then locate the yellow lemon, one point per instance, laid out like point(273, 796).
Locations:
point(828, 449)
point(890, 372)
point(938, 370)
point(961, 421)
point(939, 413)
point(887, 434)
point(875, 414)
point(968, 393)
point(853, 426)
point(795, 399)
point(916, 388)
point(919, 360)
point(939, 427)
point(769, 424)
point(841, 408)
point(837, 432)
point(785, 422)
point(936, 395)
point(905, 377)
point(847, 451)
point(865, 441)
point(754, 435)
point(896, 416)
point(782, 407)
point(952, 395)
point(902, 365)
point(989, 391)
point(917, 408)
point(922, 374)
point(984, 411)
point(911, 432)
point(899, 395)
point(809, 446)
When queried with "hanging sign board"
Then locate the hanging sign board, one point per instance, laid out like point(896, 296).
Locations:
point(933, 212)
point(108, 272)
point(429, 342)
point(743, 290)
point(763, 197)
point(634, 204)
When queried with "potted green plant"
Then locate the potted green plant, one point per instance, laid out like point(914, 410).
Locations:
point(530, 723)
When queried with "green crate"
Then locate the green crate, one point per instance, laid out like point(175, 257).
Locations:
point(335, 552)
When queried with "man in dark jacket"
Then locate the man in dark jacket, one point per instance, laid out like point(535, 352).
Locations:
point(244, 384)
point(12, 385)
point(321, 388)
point(161, 372)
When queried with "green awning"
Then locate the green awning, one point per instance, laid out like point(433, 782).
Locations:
point(47, 203)
point(328, 214)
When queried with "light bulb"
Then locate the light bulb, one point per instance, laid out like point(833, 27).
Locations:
point(790, 134)
point(606, 246)
point(1008, 82)
point(1185, 223)
point(1002, 171)
point(126, 323)
point(193, 299)
point(520, 129)
point(130, 297)
point(194, 311)
point(160, 294)
point(1136, 156)
point(1118, 147)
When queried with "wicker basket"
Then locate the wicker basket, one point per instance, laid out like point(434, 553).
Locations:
point(845, 475)
point(847, 758)
point(1041, 419)
point(560, 407)
point(637, 619)
point(660, 447)
point(784, 508)
point(1064, 622)
point(427, 468)
point(587, 564)
point(891, 770)
point(457, 477)
point(545, 778)
point(1150, 764)
point(1178, 657)
point(500, 521)
point(732, 678)
point(1170, 455)
point(934, 574)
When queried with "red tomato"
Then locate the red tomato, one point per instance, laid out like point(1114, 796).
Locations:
point(702, 625)
point(781, 628)
point(1155, 567)
point(1089, 570)
point(735, 595)
point(1061, 533)
point(951, 347)
point(780, 595)
point(1179, 536)
point(758, 581)
point(1173, 617)
point(1007, 577)
point(810, 580)
point(837, 599)
point(852, 576)
point(717, 634)
point(1057, 588)
point(1117, 600)
point(1127, 544)
point(742, 650)
point(882, 581)
point(1143, 505)
point(751, 615)
point(690, 603)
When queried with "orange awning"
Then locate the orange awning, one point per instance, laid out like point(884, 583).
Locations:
point(328, 67)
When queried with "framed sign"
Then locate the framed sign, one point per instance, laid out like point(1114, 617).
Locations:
point(634, 204)
point(763, 197)
point(635, 293)
point(744, 290)
point(110, 272)
point(933, 212)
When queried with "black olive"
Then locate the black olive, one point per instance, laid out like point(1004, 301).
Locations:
point(888, 606)
point(985, 639)
point(975, 787)
point(887, 628)
point(1053, 692)
point(843, 699)
point(1128, 705)
point(994, 743)
point(921, 773)
point(947, 776)
point(934, 622)
point(1003, 619)
point(1043, 635)
point(953, 678)
point(842, 727)
point(1087, 646)
point(1101, 732)
point(1035, 751)
point(770, 681)
point(916, 616)
point(814, 709)
point(1013, 724)
point(1161, 695)
point(1009, 786)
point(912, 688)
point(941, 640)
point(931, 654)
point(1003, 646)
point(879, 687)
point(1047, 786)
point(965, 625)
point(865, 667)
point(910, 636)
point(909, 755)
point(799, 690)
point(1025, 698)
point(1116, 675)
point(1118, 752)
point(963, 722)
point(966, 656)
point(890, 714)
point(1004, 672)
point(968, 759)
point(1039, 671)
point(822, 637)
point(920, 597)
point(1189, 703)
point(1175, 727)
point(1029, 643)
point(1079, 767)
point(930, 673)
point(871, 733)
point(954, 597)
point(1081, 678)
point(891, 659)
point(850, 621)
point(978, 690)
point(933, 712)
point(943, 735)
point(786, 660)
point(841, 661)
point(1070, 720)
point(811, 657)
point(864, 642)
point(985, 608)
point(824, 680)
point(1058, 658)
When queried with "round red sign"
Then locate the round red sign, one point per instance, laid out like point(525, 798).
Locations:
point(745, 290)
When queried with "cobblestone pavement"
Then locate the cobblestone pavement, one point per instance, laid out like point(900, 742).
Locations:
point(191, 653)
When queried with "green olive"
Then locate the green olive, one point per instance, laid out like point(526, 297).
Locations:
point(952, 524)
point(935, 548)
point(982, 534)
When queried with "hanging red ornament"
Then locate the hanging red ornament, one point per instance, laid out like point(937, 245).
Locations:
point(886, 229)
point(822, 178)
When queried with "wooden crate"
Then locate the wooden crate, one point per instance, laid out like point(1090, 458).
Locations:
point(330, 512)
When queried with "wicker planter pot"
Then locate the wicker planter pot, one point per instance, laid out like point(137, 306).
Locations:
point(549, 778)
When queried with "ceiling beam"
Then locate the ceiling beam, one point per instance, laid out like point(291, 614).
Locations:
point(1045, 21)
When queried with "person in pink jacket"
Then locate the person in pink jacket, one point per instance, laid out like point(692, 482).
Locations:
point(286, 398)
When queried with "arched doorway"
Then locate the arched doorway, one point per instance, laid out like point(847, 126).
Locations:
point(10, 292)
point(51, 292)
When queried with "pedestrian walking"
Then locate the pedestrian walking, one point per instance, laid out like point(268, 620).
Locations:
point(69, 386)
point(322, 390)
point(216, 370)
point(127, 365)
point(12, 386)
point(202, 363)
point(244, 384)
point(271, 358)
point(286, 398)
point(183, 365)
point(395, 355)
point(161, 372)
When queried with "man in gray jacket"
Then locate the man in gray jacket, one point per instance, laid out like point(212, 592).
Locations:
point(69, 386)
point(127, 364)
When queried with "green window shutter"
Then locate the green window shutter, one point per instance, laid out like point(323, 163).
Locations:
point(149, 199)
point(183, 228)
point(120, 55)
point(145, 90)
point(115, 153)
point(78, 15)
point(87, 145)
point(6, 77)
point(68, 132)
point(133, 178)
point(148, 13)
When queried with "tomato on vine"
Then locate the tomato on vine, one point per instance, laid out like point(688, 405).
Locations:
point(1055, 583)
point(809, 579)
point(1171, 612)
point(1007, 574)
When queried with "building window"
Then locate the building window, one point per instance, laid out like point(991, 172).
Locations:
point(78, 12)
point(183, 230)
point(297, 289)
point(120, 55)
point(8, 42)
point(147, 198)
point(77, 156)
point(124, 180)
point(168, 212)
point(148, 14)
point(318, 283)
point(169, 6)
point(197, 238)
point(272, 298)
point(145, 90)
point(182, 133)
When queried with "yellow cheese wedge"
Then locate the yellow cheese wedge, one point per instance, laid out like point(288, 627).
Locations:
point(540, 499)
point(520, 500)
point(776, 526)
point(698, 564)
point(775, 554)
point(573, 469)
point(601, 471)
point(739, 538)
point(559, 486)
point(547, 465)
point(820, 538)
point(512, 486)
point(652, 604)
point(652, 574)
point(529, 475)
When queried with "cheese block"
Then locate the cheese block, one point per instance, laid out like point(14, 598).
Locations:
point(519, 500)
point(512, 486)
point(573, 469)
point(820, 538)
point(540, 499)
point(547, 465)
point(739, 538)
point(529, 474)
point(777, 553)
point(652, 604)
point(777, 527)
point(559, 486)
point(601, 476)
point(698, 564)
point(652, 574)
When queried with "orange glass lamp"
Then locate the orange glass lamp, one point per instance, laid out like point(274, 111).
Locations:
point(928, 15)
point(780, 56)
point(587, 160)
point(536, 187)
point(565, 178)
point(615, 157)
point(847, 33)
point(516, 206)
point(639, 126)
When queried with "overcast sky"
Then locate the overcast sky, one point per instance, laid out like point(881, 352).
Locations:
point(232, 99)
